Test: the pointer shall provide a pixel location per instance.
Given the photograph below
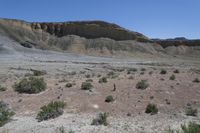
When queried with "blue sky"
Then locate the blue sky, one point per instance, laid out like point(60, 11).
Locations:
point(154, 18)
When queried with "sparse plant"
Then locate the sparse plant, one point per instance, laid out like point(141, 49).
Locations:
point(72, 73)
point(151, 72)
point(130, 70)
point(89, 80)
point(142, 69)
point(172, 77)
point(196, 80)
point(86, 86)
point(5, 113)
point(68, 85)
point(103, 80)
point(30, 85)
point(51, 110)
point(101, 119)
point(130, 77)
point(109, 99)
point(2, 88)
point(87, 75)
point(191, 111)
point(176, 71)
point(163, 71)
point(38, 72)
point(142, 84)
point(151, 109)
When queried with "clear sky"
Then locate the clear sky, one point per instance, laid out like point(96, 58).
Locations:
point(154, 18)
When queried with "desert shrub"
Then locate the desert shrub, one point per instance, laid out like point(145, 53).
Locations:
point(163, 71)
point(68, 85)
point(86, 86)
point(172, 77)
point(109, 99)
point(191, 111)
point(130, 70)
point(130, 77)
point(103, 80)
point(151, 109)
point(2, 88)
point(99, 75)
point(87, 76)
point(196, 80)
point(38, 72)
point(151, 72)
point(51, 110)
point(143, 69)
point(101, 119)
point(192, 127)
point(30, 85)
point(176, 71)
point(72, 73)
point(110, 74)
point(89, 80)
point(142, 84)
point(5, 113)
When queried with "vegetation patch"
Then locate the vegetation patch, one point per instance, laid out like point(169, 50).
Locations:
point(192, 127)
point(101, 119)
point(142, 84)
point(30, 85)
point(5, 113)
point(196, 80)
point(38, 72)
point(109, 99)
point(2, 88)
point(86, 86)
point(172, 77)
point(69, 85)
point(151, 109)
point(176, 71)
point(163, 71)
point(51, 111)
point(89, 80)
point(103, 80)
point(191, 111)
point(131, 70)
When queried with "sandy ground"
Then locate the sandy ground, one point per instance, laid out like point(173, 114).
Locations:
point(83, 106)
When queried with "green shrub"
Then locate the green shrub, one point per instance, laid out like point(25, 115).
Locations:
point(109, 99)
point(101, 119)
point(89, 80)
point(2, 88)
point(68, 85)
point(142, 84)
point(30, 85)
point(192, 127)
point(191, 111)
point(196, 80)
point(151, 109)
point(38, 72)
point(143, 69)
point(5, 113)
point(87, 76)
point(163, 71)
point(51, 111)
point(103, 80)
point(86, 86)
point(172, 77)
point(176, 71)
point(130, 70)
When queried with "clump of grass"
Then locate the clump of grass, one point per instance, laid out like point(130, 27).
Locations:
point(103, 80)
point(130, 70)
point(196, 80)
point(38, 72)
point(151, 109)
point(192, 127)
point(68, 85)
point(51, 110)
point(86, 86)
point(172, 77)
point(142, 69)
point(87, 75)
point(142, 84)
point(176, 71)
point(101, 119)
point(5, 113)
point(109, 99)
point(2, 88)
point(163, 71)
point(191, 111)
point(30, 85)
point(89, 80)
